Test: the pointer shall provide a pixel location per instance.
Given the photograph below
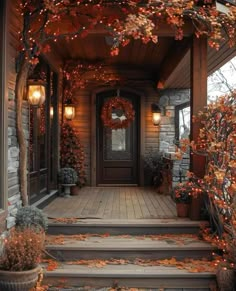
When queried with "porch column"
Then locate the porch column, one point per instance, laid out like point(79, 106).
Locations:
point(198, 95)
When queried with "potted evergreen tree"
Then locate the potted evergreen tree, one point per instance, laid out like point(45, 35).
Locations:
point(67, 178)
point(72, 154)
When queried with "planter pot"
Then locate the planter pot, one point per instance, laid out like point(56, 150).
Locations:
point(182, 209)
point(67, 188)
point(195, 207)
point(226, 279)
point(18, 281)
point(74, 190)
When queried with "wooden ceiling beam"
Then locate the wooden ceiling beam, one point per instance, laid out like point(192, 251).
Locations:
point(173, 58)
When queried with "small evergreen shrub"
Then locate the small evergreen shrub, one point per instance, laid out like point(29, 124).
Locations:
point(31, 217)
point(67, 176)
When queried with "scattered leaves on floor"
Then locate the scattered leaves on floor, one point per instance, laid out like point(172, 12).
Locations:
point(190, 265)
point(51, 265)
point(179, 239)
point(67, 220)
point(99, 263)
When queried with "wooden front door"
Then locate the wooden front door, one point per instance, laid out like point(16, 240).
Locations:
point(117, 150)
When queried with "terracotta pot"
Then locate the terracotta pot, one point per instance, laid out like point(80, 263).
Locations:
point(182, 209)
point(226, 279)
point(19, 280)
point(195, 207)
point(74, 190)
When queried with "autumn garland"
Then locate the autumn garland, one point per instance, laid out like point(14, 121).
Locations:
point(129, 19)
point(120, 104)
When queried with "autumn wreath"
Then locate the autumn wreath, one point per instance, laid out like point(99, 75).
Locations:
point(117, 103)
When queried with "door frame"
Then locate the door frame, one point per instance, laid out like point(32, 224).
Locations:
point(93, 143)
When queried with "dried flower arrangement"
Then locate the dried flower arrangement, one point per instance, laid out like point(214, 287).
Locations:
point(22, 250)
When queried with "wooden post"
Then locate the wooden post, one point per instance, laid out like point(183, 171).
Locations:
point(198, 96)
point(48, 129)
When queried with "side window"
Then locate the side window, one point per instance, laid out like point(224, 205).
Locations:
point(182, 121)
point(182, 130)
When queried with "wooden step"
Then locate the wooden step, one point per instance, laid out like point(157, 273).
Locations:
point(119, 226)
point(129, 276)
point(88, 288)
point(66, 248)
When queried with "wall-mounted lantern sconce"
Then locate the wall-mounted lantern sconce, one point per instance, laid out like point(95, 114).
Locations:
point(156, 114)
point(51, 112)
point(69, 110)
point(36, 92)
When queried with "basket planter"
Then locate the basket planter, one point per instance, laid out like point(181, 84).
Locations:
point(226, 279)
point(182, 209)
point(19, 280)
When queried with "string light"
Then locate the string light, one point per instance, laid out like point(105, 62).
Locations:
point(53, 11)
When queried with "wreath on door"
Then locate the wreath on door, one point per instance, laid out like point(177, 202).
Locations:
point(120, 106)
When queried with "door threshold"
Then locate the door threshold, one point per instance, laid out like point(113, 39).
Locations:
point(117, 185)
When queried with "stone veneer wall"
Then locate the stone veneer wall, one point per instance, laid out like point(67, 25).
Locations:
point(169, 99)
point(14, 198)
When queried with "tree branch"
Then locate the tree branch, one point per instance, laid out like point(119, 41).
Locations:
point(20, 89)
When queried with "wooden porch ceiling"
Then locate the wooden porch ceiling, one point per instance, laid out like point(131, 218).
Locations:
point(96, 47)
point(167, 61)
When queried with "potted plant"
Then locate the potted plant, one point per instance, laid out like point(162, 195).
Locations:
point(31, 217)
point(153, 166)
point(67, 177)
point(181, 195)
point(226, 270)
point(225, 275)
point(19, 260)
point(73, 154)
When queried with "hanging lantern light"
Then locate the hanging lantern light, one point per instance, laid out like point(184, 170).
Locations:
point(36, 92)
point(51, 112)
point(156, 114)
point(69, 110)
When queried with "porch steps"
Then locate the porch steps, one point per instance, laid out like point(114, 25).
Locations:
point(89, 288)
point(129, 226)
point(129, 276)
point(133, 241)
point(128, 247)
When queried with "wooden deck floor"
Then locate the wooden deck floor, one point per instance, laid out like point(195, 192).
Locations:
point(113, 203)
